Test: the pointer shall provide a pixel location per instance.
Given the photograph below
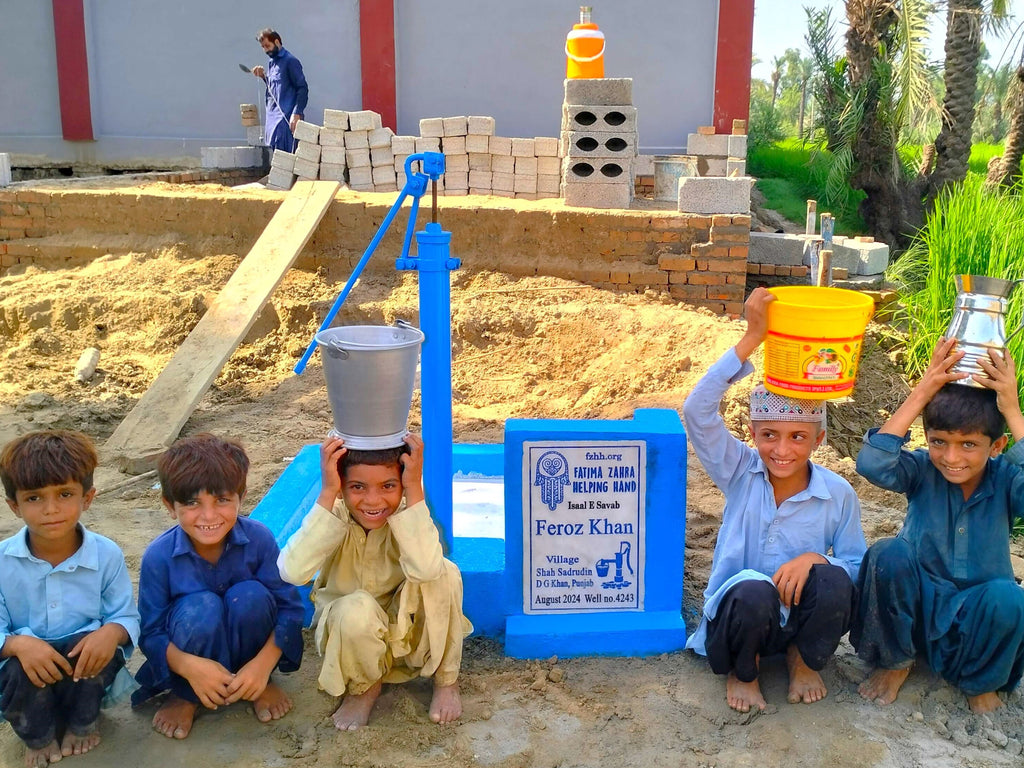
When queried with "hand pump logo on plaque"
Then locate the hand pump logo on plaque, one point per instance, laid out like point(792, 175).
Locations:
point(584, 526)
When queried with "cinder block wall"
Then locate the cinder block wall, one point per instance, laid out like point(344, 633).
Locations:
point(700, 260)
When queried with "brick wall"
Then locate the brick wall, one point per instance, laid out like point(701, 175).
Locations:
point(700, 260)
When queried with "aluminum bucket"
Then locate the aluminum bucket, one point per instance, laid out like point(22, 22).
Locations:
point(978, 322)
point(370, 372)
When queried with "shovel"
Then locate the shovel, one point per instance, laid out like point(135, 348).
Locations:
point(249, 71)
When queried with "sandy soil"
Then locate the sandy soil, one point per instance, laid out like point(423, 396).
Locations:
point(527, 348)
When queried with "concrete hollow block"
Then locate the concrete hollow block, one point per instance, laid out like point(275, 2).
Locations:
point(481, 125)
point(500, 145)
point(357, 139)
point(332, 155)
point(599, 119)
point(361, 176)
point(607, 91)
point(364, 120)
point(776, 248)
point(714, 146)
point(523, 148)
point(549, 166)
point(454, 126)
point(254, 135)
point(526, 166)
point(357, 158)
point(428, 143)
point(454, 145)
point(383, 175)
point(709, 195)
point(306, 169)
point(584, 143)
point(507, 164)
point(737, 146)
point(479, 161)
point(597, 170)
point(432, 127)
point(332, 172)
point(597, 195)
point(307, 132)
point(280, 178)
point(403, 145)
point(336, 118)
point(382, 156)
point(283, 160)
point(545, 146)
point(379, 137)
point(5, 169)
point(308, 151)
point(478, 142)
point(332, 137)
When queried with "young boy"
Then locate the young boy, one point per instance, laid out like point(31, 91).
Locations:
point(216, 617)
point(774, 587)
point(944, 587)
point(67, 618)
point(389, 606)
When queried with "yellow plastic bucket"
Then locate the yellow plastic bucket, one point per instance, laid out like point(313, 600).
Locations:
point(584, 52)
point(814, 340)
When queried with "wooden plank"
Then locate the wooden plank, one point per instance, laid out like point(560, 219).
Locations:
point(155, 421)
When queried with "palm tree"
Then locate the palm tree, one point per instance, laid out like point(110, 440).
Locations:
point(777, 63)
point(1013, 150)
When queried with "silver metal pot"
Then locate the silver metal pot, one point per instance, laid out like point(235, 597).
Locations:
point(978, 323)
point(370, 372)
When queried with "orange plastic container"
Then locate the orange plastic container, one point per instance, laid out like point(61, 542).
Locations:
point(814, 341)
point(584, 49)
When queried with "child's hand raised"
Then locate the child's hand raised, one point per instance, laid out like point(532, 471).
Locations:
point(331, 451)
point(755, 309)
point(1002, 377)
point(940, 368)
point(412, 469)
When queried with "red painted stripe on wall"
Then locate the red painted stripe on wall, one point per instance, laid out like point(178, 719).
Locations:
point(732, 67)
point(377, 57)
point(72, 69)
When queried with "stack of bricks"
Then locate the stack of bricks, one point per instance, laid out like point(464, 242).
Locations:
point(368, 156)
point(282, 170)
point(478, 162)
point(5, 169)
point(333, 164)
point(719, 154)
point(251, 123)
point(598, 143)
point(714, 275)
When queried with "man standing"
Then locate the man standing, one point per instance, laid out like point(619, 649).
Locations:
point(287, 92)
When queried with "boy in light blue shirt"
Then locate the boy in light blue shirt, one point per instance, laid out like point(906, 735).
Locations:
point(790, 542)
point(67, 618)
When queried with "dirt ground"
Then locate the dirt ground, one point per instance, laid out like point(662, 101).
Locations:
point(533, 347)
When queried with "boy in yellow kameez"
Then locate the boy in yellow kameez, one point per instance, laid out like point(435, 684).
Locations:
point(388, 605)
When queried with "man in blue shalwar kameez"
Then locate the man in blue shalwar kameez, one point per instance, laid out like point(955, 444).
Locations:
point(287, 92)
point(944, 588)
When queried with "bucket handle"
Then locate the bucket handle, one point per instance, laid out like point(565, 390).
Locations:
point(337, 349)
point(586, 59)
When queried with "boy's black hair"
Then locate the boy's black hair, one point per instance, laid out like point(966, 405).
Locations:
point(960, 408)
point(48, 457)
point(382, 457)
point(204, 462)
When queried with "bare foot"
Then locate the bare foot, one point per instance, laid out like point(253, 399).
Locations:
point(272, 704)
point(72, 744)
point(446, 705)
point(742, 696)
point(174, 718)
point(354, 711)
point(40, 758)
point(883, 685)
point(984, 702)
point(805, 684)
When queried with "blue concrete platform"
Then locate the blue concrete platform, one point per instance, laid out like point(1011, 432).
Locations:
point(481, 560)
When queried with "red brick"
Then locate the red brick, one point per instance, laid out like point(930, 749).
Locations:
point(8, 261)
point(721, 221)
point(727, 265)
point(30, 196)
point(36, 210)
point(734, 308)
point(782, 271)
point(739, 235)
point(670, 237)
point(838, 273)
point(739, 251)
point(709, 250)
point(767, 269)
point(706, 278)
point(736, 279)
point(19, 210)
point(676, 262)
point(596, 275)
point(688, 292)
point(725, 293)
point(741, 221)
point(649, 277)
point(698, 222)
point(753, 269)
point(15, 222)
point(619, 278)
point(52, 211)
point(36, 232)
point(678, 278)
point(634, 236)
point(717, 307)
point(668, 222)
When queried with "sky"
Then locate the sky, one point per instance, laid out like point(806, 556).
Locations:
point(781, 24)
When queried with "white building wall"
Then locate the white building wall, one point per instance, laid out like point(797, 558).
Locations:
point(165, 81)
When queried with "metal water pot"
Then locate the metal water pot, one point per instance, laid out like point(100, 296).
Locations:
point(978, 323)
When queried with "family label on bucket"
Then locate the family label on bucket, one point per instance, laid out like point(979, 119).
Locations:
point(815, 335)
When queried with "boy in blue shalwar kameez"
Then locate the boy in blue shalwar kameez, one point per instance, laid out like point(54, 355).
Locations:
point(790, 541)
point(944, 588)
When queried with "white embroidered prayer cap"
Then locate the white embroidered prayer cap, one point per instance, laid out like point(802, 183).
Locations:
point(769, 406)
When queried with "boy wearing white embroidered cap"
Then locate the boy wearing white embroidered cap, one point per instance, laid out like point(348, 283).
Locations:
point(790, 542)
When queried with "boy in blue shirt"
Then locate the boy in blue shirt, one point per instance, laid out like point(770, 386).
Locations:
point(944, 587)
point(790, 541)
point(216, 617)
point(67, 618)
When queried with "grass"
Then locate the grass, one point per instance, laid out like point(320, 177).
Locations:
point(969, 232)
point(790, 173)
